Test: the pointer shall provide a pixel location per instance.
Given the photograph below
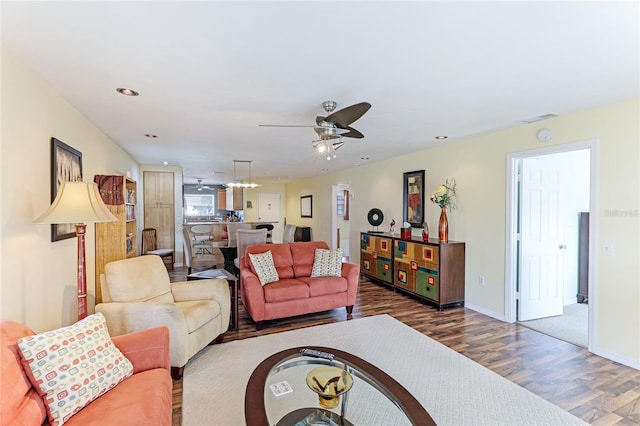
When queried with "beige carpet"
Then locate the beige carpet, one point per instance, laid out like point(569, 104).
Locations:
point(571, 326)
point(452, 388)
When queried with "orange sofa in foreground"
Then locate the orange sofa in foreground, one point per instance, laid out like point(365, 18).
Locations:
point(295, 292)
point(143, 398)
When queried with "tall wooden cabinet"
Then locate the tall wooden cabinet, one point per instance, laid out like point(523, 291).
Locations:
point(116, 240)
point(159, 207)
point(432, 271)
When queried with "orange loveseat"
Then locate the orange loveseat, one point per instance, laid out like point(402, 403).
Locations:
point(295, 293)
point(143, 398)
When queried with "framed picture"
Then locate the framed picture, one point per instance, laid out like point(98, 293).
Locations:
point(305, 206)
point(66, 166)
point(413, 199)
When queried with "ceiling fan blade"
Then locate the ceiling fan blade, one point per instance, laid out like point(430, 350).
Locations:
point(283, 125)
point(348, 115)
point(352, 133)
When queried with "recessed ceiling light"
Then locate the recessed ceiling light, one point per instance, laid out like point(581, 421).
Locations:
point(166, 163)
point(127, 92)
point(151, 135)
point(442, 137)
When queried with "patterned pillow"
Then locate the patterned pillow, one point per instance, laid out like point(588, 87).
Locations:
point(263, 264)
point(327, 263)
point(72, 366)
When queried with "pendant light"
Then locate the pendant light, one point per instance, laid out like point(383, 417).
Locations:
point(235, 183)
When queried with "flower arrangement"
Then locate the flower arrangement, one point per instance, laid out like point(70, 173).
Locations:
point(445, 195)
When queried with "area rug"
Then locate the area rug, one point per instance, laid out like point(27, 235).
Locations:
point(453, 389)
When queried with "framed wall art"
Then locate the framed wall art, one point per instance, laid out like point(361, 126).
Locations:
point(306, 206)
point(66, 166)
point(413, 198)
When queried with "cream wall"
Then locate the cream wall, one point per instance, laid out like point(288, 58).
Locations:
point(479, 166)
point(38, 277)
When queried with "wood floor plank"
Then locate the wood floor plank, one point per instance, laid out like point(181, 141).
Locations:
point(599, 391)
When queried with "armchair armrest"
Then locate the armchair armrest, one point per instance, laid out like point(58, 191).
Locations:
point(146, 349)
point(127, 317)
point(252, 294)
point(211, 289)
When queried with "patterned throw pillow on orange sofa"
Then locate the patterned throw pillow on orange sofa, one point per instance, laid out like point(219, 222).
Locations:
point(74, 365)
point(327, 263)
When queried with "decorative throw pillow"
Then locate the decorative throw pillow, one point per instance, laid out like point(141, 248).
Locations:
point(72, 366)
point(327, 263)
point(263, 264)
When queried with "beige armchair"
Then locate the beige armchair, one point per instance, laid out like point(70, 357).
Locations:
point(137, 295)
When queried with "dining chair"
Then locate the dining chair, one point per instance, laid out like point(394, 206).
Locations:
point(194, 260)
point(202, 236)
point(232, 227)
point(245, 238)
point(269, 228)
point(150, 246)
point(289, 233)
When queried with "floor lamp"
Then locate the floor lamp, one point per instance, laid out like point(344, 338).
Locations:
point(78, 203)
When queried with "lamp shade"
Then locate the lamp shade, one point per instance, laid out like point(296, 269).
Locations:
point(77, 202)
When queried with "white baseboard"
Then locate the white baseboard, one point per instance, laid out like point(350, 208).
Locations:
point(629, 362)
point(486, 312)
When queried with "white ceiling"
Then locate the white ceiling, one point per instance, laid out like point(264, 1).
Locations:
point(209, 73)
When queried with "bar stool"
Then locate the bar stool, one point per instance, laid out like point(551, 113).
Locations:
point(269, 228)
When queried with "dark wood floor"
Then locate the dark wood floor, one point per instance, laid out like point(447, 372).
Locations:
point(597, 390)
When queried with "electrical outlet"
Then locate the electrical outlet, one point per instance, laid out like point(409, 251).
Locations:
point(481, 280)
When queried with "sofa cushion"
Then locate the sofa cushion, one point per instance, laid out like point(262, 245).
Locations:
point(199, 312)
point(73, 365)
point(281, 254)
point(21, 404)
point(286, 289)
point(262, 264)
point(142, 399)
point(303, 254)
point(327, 263)
point(325, 285)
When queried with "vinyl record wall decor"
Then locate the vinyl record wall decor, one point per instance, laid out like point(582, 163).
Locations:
point(375, 218)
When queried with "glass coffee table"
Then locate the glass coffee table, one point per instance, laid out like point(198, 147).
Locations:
point(279, 392)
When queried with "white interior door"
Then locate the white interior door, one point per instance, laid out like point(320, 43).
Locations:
point(541, 238)
point(269, 210)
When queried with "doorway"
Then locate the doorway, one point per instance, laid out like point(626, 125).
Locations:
point(340, 224)
point(269, 210)
point(548, 189)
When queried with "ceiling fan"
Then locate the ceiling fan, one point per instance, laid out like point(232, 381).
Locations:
point(335, 125)
point(200, 186)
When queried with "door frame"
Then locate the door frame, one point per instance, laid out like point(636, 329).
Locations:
point(334, 205)
point(511, 258)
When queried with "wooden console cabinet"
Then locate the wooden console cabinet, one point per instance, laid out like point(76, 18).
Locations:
point(431, 271)
point(376, 257)
point(116, 240)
